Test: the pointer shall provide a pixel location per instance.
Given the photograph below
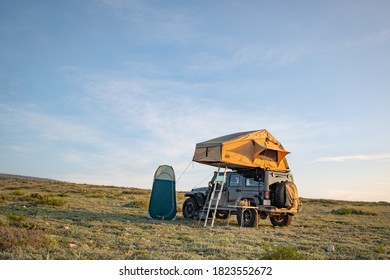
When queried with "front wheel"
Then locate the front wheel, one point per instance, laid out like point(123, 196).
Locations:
point(190, 208)
point(281, 220)
point(246, 217)
point(223, 215)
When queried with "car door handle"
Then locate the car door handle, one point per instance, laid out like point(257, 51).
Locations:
point(238, 190)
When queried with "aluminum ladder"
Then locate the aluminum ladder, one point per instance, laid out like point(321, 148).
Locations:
point(214, 198)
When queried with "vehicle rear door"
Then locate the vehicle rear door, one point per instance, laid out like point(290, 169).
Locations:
point(253, 189)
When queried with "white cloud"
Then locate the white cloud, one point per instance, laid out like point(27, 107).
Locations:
point(377, 37)
point(256, 54)
point(375, 157)
point(49, 128)
point(170, 116)
point(167, 108)
point(356, 194)
point(128, 126)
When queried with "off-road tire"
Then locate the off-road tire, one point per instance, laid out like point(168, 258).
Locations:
point(280, 195)
point(281, 220)
point(190, 208)
point(223, 215)
point(249, 217)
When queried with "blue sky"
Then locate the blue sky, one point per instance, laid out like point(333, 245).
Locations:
point(105, 91)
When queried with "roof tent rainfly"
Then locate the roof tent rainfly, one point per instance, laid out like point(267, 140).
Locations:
point(250, 149)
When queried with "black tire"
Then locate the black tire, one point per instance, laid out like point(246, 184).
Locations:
point(190, 208)
point(223, 215)
point(281, 220)
point(249, 217)
point(280, 195)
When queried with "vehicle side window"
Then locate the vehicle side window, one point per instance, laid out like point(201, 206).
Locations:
point(250, 182)
point(234, 180)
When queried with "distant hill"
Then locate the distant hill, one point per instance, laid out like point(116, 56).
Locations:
point(12, 176)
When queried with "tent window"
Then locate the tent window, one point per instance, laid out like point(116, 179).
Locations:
point(269, 154)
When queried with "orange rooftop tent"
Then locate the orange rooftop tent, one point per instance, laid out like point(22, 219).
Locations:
point(250, 149)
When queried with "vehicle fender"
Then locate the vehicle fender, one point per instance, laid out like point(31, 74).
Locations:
point(251, 201)
point(199, 197)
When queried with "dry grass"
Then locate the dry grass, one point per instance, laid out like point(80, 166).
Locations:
point(54, 220)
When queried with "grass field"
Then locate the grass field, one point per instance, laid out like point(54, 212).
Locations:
point(56, 220)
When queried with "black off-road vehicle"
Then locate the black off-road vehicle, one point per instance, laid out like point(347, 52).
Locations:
point(248, 194)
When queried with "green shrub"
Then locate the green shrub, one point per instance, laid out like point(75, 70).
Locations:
point(380, 249)
point(135, 191)
point(97, 195)
point(14, 237)
point(52, 201)
point(11, 188)
point(15, 218)
point(36, 196)
point(127, 192)
point(281, 253)
point(18, 221)
point(43, 200)
point(10, 237)
point(137, 204)
point(17, 192)
point(352, 211)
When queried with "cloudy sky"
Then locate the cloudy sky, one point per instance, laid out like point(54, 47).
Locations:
point(104, 91)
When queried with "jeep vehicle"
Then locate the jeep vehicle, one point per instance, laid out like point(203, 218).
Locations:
point(249, 194)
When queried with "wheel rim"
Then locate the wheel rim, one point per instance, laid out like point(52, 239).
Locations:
point(190, 208)
point(279, 219)
point(247, 216)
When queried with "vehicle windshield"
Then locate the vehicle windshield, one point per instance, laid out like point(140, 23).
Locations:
point(219, 178)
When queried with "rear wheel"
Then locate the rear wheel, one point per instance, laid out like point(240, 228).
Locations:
point(190, 208)
point(246, 217)
point(281, 220)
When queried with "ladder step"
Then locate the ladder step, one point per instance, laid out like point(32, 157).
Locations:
point(213, 197)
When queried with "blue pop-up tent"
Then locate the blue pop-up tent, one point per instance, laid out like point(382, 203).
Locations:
point(162, 204)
